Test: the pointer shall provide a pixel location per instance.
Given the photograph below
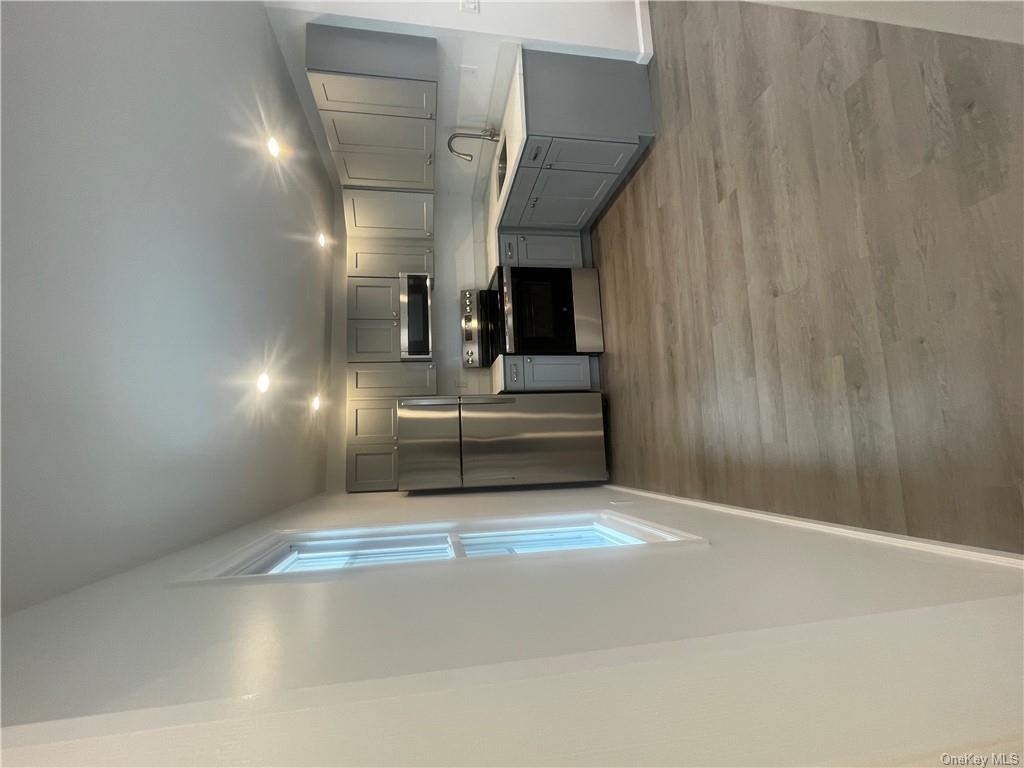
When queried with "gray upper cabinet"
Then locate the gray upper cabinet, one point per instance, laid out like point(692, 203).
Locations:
point(581, 155)
point(373, 298)
point(388, 214)
point(372, 380)
point(376, 258)
point(555, 373)
point(374, 95)
point(549, 251)
point(374, 341)
point(381, 150)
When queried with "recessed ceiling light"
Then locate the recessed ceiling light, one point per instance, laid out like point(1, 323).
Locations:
point(322, 239)
point(263, 382)
point(273, 147)
point(315, 404)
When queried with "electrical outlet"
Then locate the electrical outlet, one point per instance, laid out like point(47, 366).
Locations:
point(469, 6)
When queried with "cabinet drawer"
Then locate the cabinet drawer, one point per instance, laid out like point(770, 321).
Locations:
point(549, 251)
point(374, 341)
point(584, 155)
point(374, 95)
point(374, 258)
point(374, 380)
point(371, 468)
point(372, 422)
point(556, 373)
point(385, 214)
point(557, 213)
point(373, 298)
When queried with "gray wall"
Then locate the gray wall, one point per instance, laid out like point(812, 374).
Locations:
point(153, 262)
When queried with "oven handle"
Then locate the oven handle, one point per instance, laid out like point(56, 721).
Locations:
point(506, 305)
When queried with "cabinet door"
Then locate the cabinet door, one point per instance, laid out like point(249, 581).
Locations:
point(556, 373)
point(557, 213)
point(519, 196)
point(573, 185)
point(374, 258)
point(508, 250)
point(376, 213)
point(374, 95)
point(372, 468)
point(371, 341)
point(372, 422)
point(370, 380)
point(583, 155)
point(405, 170)
point(550, 251)
point(351, 131)
point(373, 298)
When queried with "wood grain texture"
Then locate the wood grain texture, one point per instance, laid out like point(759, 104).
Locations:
point(812, 285)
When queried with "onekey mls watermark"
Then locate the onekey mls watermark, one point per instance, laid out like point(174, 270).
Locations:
point(982, 760)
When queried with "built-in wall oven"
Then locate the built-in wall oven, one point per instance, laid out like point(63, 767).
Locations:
point(532, 311)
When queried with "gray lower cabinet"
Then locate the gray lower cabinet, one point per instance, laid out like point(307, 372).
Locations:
point(373, 298)
point(374, 95)
point(374, 380)
point(372, 422)
point(388, 214)
point(376, 258)
point(584, 155)
point(374, 341)
point(557, 213)
point(565, 199)
point(549, 251)
point(371, 468)
point(372, 445)
point(556, 373)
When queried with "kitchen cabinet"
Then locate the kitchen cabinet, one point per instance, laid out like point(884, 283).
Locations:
point(593, 156)
point(373, 298)
point(381, 150)
point(549, 251)
point(372, 422)
point(376, 380)
point(562, 199)
point(374, 95)
point(372, 341)
point(371, 468)
point(388, 214)
point(556, 373)
point(376, 258)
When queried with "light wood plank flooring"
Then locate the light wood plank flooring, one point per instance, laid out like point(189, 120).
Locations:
point(812, 285)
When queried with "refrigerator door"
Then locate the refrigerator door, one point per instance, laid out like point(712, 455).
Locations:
point(428, 443)
point(532, 439)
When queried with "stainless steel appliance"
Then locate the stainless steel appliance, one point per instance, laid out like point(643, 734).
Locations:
point(532, 311)
point(415, 295)
point(484, 440)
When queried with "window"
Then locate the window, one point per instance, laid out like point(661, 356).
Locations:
point(287, 553)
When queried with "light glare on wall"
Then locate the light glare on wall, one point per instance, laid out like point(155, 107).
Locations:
point(273, 147)
point(263, 382)
point(322, 239)
point(315, 403)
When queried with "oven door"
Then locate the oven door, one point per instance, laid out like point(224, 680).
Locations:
point(415, 289)
point(538, 304)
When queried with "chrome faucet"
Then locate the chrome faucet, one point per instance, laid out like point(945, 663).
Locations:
point(486, 133)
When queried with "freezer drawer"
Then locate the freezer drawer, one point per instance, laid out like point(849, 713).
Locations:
point(532, 439)
point(428, 443)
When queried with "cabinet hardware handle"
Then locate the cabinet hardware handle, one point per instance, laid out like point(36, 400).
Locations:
point(396, 448)
point(529, 359)
point(394, 314)
point(549, 165)
point(515, 372)
point(430, 159)
point(523, 238)
point(428, 234)
point(394, 323)
point(536, 154)
point(431, 366)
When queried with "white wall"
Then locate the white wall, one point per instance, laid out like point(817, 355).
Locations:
point(618, 29)
point(154, 261)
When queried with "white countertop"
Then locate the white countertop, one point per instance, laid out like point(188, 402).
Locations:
point(513, 133)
